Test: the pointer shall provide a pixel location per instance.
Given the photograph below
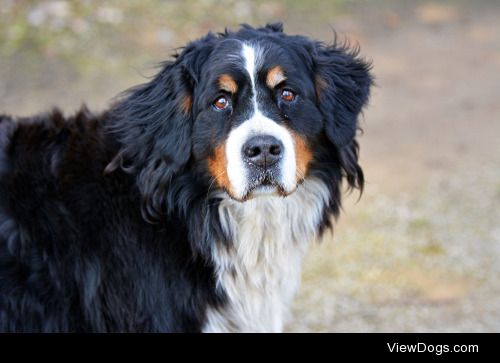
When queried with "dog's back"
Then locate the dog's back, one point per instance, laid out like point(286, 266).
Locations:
point(73, 246)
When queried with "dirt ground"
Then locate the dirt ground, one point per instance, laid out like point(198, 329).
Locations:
point(420, 252)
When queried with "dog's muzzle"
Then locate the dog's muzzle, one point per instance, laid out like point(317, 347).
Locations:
point(262, 154)
point(261, 159)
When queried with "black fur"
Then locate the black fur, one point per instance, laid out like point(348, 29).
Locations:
point(105, 224)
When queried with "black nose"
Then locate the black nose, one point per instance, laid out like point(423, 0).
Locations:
point(263, 150)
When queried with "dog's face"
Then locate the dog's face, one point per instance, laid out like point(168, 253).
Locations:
point(255, 117)
point(252, 112)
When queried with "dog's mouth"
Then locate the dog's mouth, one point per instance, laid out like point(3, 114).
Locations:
point(264, 184)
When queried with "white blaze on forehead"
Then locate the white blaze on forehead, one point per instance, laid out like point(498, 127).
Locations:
point(257, 124)
point(249, 57)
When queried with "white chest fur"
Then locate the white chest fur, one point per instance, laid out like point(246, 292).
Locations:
point(260, 271)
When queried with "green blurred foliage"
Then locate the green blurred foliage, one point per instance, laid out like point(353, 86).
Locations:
point(110, 32)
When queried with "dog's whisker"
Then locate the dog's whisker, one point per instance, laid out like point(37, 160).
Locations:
point(213, 180)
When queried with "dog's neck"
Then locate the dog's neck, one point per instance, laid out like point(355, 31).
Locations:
point(259, 270)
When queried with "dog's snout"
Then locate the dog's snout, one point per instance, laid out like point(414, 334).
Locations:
point(263, 150)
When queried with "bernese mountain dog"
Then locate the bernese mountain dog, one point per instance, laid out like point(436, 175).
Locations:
point(189, 204)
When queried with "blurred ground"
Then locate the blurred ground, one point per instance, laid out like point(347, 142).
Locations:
point(421, 250)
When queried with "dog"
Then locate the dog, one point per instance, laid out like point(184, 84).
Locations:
point(189, 204)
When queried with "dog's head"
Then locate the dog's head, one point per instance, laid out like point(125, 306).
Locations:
point(251, 112)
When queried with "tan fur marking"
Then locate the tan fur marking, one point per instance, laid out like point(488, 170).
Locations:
point(320, 85)
point(187, 103)
point(227, 83)
point(303, 156)
point(275, 76)
point(217, 166)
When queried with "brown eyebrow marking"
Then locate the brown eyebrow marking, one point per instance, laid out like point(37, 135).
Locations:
point(227, 83)
point(275, 76)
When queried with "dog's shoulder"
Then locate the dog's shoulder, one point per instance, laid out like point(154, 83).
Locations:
point(44, 141)
point(26, 142)
point(42, 155)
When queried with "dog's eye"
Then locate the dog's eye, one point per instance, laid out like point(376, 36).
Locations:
point(287, 95)
point(221, 103)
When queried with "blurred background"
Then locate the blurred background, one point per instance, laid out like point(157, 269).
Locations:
point(420, 252)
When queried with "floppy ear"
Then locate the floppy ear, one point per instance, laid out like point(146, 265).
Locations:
point(153, 123)
point(343, 83)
